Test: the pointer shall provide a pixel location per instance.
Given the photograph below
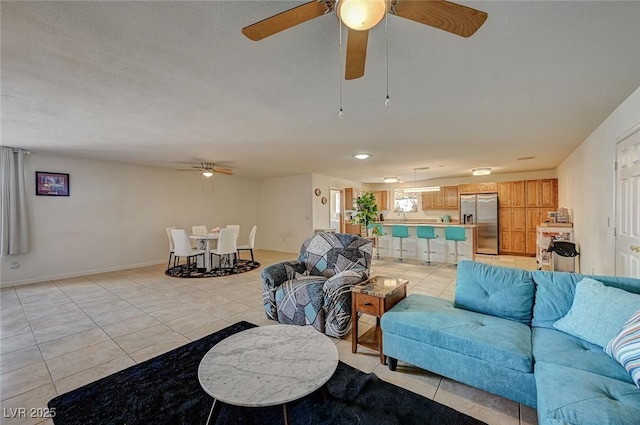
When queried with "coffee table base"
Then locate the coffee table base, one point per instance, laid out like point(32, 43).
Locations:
point(215, 402)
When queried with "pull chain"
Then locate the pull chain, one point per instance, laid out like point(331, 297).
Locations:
point(341, 113)
point(387, 101)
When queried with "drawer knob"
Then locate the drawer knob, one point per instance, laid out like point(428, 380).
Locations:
point(368, 304)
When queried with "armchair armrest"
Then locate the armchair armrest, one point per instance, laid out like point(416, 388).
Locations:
point(276, 274)
point(337, 301)
point(345, 278)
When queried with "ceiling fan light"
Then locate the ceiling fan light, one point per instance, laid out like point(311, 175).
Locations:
point(207, 173)
point(361, 15)
point(481, 171)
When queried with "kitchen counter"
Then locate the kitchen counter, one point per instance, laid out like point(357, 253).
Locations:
point(442, 250)
point(424, 223)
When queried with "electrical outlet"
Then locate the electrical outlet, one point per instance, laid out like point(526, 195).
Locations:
point(14, 265)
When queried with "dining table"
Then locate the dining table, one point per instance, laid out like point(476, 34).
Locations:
point(204, 242)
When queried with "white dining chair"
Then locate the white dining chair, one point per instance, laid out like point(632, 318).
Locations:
point(250, 245)
point(226, 246)
point(182, 247)
point(171, 244)
point(237, 229)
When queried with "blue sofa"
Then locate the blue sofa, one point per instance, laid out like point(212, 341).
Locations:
point(499, 335)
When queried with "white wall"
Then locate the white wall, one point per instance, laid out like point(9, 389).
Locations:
point(321, 213)
point(587, 186)
point(286, 212)
point(116, 215)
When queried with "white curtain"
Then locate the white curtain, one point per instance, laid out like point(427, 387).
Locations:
point(14, 236)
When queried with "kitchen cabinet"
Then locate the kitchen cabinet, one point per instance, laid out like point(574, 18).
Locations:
point(382, 199)
point(517, 193)
point(511, 194)
point(445, 198)
point(451, 197)
point(350, 196)
point(548, 190)
point(513, 229)
point(504, 194)
point(525, 204)
point(532, 190)
point(433, 200)
point(477, 188)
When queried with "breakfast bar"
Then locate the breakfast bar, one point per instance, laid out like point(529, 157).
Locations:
point(442, 250)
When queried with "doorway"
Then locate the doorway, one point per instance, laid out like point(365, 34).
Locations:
point(335, 210)
point(628, 204)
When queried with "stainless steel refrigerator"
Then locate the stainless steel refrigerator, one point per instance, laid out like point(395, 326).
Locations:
point(482, 210)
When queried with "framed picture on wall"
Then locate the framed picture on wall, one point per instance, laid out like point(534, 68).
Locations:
point(52, 184)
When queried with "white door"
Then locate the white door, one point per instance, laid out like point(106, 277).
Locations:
point(628, 206)
point(335, 210)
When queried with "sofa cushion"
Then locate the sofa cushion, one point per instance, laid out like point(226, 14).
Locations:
point(598, 312)
point(625, 347)
point(555, 292)
point(498, 291)
point(437, 322)
point(552, 346)
point(568, 396)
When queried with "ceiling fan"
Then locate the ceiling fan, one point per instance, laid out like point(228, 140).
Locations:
point(208, 168)
point(361, 15)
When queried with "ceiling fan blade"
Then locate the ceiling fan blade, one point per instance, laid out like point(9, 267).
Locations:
point(284, 20)
point(356, 54)
point(223, 171)
point(451, 17)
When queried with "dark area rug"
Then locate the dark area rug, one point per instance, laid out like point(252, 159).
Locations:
point(242, 266)
point(165, 390)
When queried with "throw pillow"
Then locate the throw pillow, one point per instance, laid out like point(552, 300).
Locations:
point(625, 347)
point(598, 312)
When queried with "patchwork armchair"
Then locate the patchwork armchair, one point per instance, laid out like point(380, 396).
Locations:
point(316, 288)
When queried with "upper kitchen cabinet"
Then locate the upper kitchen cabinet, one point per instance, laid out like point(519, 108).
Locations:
point(451, 197)
point(532, 190)
point(477, 188)
point(548, 193)
point(382, 199)
point(350, 196)
point(445, 198)
point(433, 200)
point(542, 193)
point(511, 194)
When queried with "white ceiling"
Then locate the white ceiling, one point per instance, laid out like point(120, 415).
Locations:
point(175, 83)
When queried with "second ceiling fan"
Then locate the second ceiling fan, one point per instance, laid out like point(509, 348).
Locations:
point(361, 15)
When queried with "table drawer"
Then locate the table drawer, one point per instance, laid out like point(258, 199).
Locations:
point(368, 304)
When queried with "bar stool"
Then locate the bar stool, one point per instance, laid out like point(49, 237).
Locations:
point(428, 233)
point(455, 233)
point(402, 232)
point(376, 232)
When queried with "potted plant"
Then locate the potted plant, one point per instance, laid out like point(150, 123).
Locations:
point(366, 210)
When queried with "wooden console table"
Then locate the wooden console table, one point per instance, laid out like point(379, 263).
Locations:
point(374, 296)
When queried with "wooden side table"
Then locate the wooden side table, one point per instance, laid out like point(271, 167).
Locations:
point(374, 296)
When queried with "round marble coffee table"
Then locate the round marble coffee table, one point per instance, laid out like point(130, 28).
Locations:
point(267, 366)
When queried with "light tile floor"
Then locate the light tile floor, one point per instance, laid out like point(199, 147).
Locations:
point(57, 336)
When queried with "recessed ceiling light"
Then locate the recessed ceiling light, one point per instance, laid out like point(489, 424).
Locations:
point(361, 156)
point(391, 180)
point(481, 171)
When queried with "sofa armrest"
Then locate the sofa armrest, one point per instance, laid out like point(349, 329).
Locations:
point(276, 274)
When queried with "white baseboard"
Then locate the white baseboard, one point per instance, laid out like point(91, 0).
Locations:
point(78, 274)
